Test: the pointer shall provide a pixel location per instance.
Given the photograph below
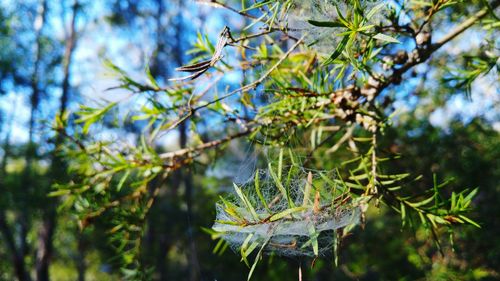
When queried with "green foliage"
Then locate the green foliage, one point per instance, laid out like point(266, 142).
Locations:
point(324, 110)
point(474, 66)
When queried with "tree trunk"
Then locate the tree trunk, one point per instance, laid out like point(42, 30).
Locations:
point(80, 262)
point(31, 150)
point(46, 233)
point(193, 263)
point(5, 230)
point(68, 58)
point(17, 257)
point(158, 235)
point(35, 90)
point(194, 266)
point(44, 251)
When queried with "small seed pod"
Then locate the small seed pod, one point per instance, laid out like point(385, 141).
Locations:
point(388, 63)
point(401, 57)
point(369, 93)
point(423, 38)
point(373, 82)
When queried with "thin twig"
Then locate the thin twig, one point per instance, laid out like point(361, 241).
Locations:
point(374, 183)
point(464, 26)
point(218, 4)
point(242, 89)
point(435, 8)
point(256, 82)
point(255, 35)
point(215, 143)
point(421, 55)
point(343, 139)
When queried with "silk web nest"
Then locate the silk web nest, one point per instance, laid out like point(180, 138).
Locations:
point(290, 212)
point(325, 38)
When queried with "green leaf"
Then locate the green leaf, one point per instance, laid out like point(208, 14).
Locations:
point(122, 180)
point(227, 222)
point(246, 202)
point(453, 201)
point(292, 157)
point(280, 164)
point(244, 248)
point(359, 177)
point(257, 5)
point(422, 218)
point(59, 192)
point(349, 184)
point(251, 248)
point(220, 247)
point(386, 38)
point(280, 186)
point(471, 195)
point(469, 221)
point(331, 182)
point(440, 220)
point(92, 115)
point(326, 23)
point(423, 202)
point(259, 193)
point(151, 78)
point(340, 48)
point(375, 10)
point(314, 238)
point(307, 190)
point(394, 176)
point(287, 212)
point(231, 209)
point(259, 255)
point(403, 214)
point(341, 17)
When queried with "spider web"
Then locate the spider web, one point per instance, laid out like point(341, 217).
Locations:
point(324, 39)
point(287, 209)
point(300, 222)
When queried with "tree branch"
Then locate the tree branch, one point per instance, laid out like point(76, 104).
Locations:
point(420, 55)
point(464, 26)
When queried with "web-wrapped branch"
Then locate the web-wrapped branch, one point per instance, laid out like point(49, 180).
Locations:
point(294, 213)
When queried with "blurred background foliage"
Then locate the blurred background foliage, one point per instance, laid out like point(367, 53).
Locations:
point(52, 60)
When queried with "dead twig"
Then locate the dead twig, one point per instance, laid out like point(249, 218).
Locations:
point(201, 67)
